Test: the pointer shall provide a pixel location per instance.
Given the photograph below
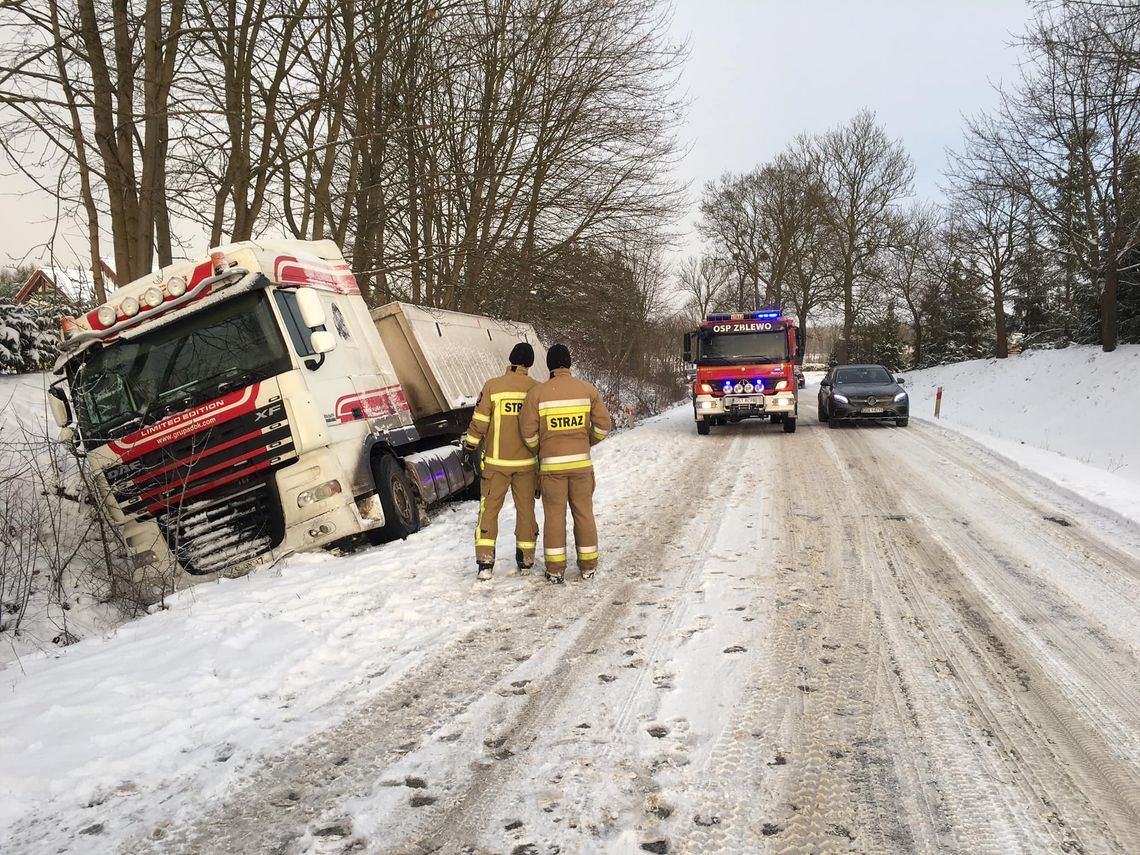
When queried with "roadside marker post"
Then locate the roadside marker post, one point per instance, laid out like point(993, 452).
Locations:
point(938, 403)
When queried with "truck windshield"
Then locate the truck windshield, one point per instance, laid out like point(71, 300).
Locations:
point(744, 347)
point(133, 382)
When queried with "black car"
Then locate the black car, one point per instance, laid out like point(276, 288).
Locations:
point(862, 392)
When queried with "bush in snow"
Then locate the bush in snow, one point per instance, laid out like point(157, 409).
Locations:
point(56, 549)
point(29, 337)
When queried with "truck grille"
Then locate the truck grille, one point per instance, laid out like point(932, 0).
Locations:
point(209, 534)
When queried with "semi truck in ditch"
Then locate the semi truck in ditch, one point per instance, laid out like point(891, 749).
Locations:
point(238, 408)
point(745, 368)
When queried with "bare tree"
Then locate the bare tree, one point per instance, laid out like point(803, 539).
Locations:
point(704, 282)
point(864, 175)
point(1065, 140)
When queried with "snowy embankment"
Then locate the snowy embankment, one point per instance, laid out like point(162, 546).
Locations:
point(180, 704)
point(1069, 415)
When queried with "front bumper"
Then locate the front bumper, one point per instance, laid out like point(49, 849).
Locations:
point(744, 406)
point(861, 411)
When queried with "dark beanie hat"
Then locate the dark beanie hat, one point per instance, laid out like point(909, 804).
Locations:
point(522, 354)
point(558, 357)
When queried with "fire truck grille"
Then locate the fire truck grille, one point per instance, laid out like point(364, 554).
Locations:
point(213, 533)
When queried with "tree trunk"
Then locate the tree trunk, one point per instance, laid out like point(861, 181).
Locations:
point(1001, 340)
point(1109, 329)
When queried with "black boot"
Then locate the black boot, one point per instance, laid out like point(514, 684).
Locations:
point(555, 578)
point(486, 568)
point(521, 562)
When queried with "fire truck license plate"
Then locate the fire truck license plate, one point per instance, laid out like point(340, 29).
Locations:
point(872, 409)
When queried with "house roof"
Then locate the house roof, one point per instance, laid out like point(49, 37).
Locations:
point(73, 283)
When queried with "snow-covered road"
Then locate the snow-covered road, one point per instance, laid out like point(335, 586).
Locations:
point(867, 639)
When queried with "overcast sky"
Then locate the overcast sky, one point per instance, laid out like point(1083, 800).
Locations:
point(762, 71)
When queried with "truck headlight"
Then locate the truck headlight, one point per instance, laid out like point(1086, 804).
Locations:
point(706, 389)
point(783, 384)
point(840, 398)
point(318, 493)
point(901, 396)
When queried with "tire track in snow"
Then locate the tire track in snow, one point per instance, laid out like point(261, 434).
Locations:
point(296, 800)
point(1067, 723)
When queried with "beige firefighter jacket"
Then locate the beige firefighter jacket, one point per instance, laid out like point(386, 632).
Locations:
point(562, 418)
point(496, 421)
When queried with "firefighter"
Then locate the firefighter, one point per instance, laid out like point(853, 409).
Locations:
point(507, 463)
point(561, 419)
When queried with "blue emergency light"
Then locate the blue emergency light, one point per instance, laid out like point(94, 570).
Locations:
point(766, 315)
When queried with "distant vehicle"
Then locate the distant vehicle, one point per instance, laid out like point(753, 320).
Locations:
point(861, 392)
point(800, 381)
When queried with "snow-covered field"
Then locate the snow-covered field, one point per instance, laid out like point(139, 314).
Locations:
point(799, 642)
point(1071, 415)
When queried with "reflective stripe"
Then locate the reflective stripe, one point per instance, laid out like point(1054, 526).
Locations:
point(582, 549)
point(481, 417)
point(531, 441)
point(500, 461)
point(571, 402)
point(526, 544)
point(598, 432)
point(566, 458)
point(562, 467)
point(565, 411)
point(509, 396)
point(482, 541)
point(588, 556)
point(554, 552)
point(471, 440)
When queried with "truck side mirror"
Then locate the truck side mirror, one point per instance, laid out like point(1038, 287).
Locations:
point(312, 312)
point(799, 340)
point(60, 409)
point(687, 347)
point(322, 341)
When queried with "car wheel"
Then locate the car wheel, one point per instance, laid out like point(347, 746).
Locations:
point(703, 427)
point(902, 422)
point(789, 425)
point(401, 507)
point(832, 421)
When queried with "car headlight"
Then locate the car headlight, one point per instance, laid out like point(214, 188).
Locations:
point(318, 493)
point(901, 396)
point(842, 399)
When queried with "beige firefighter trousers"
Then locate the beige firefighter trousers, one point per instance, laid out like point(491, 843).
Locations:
point(492, 493)
point(577, 490)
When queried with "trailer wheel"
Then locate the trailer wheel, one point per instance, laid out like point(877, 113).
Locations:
point(703, 427)
point(789, 425)
point(401, 507)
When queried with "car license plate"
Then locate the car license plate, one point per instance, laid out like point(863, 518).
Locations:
point(872, 410)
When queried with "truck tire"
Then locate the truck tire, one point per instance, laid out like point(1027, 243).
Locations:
point(789, 425)
point(397, 498)
point(703, 427)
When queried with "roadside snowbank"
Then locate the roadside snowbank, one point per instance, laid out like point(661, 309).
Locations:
point(177, 706)
point(1069, 415)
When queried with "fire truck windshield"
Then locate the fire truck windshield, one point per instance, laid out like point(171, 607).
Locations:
point(744, 347)
point(123, 386)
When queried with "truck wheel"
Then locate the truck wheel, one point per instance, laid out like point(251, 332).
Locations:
point(789, 425)
point(902, 422)
point(703, 427)
point(401, 507)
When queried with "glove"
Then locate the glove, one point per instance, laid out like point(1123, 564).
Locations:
point(468, 457)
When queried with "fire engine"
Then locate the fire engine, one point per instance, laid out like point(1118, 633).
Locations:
point(247, 405)
point(745, 368)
